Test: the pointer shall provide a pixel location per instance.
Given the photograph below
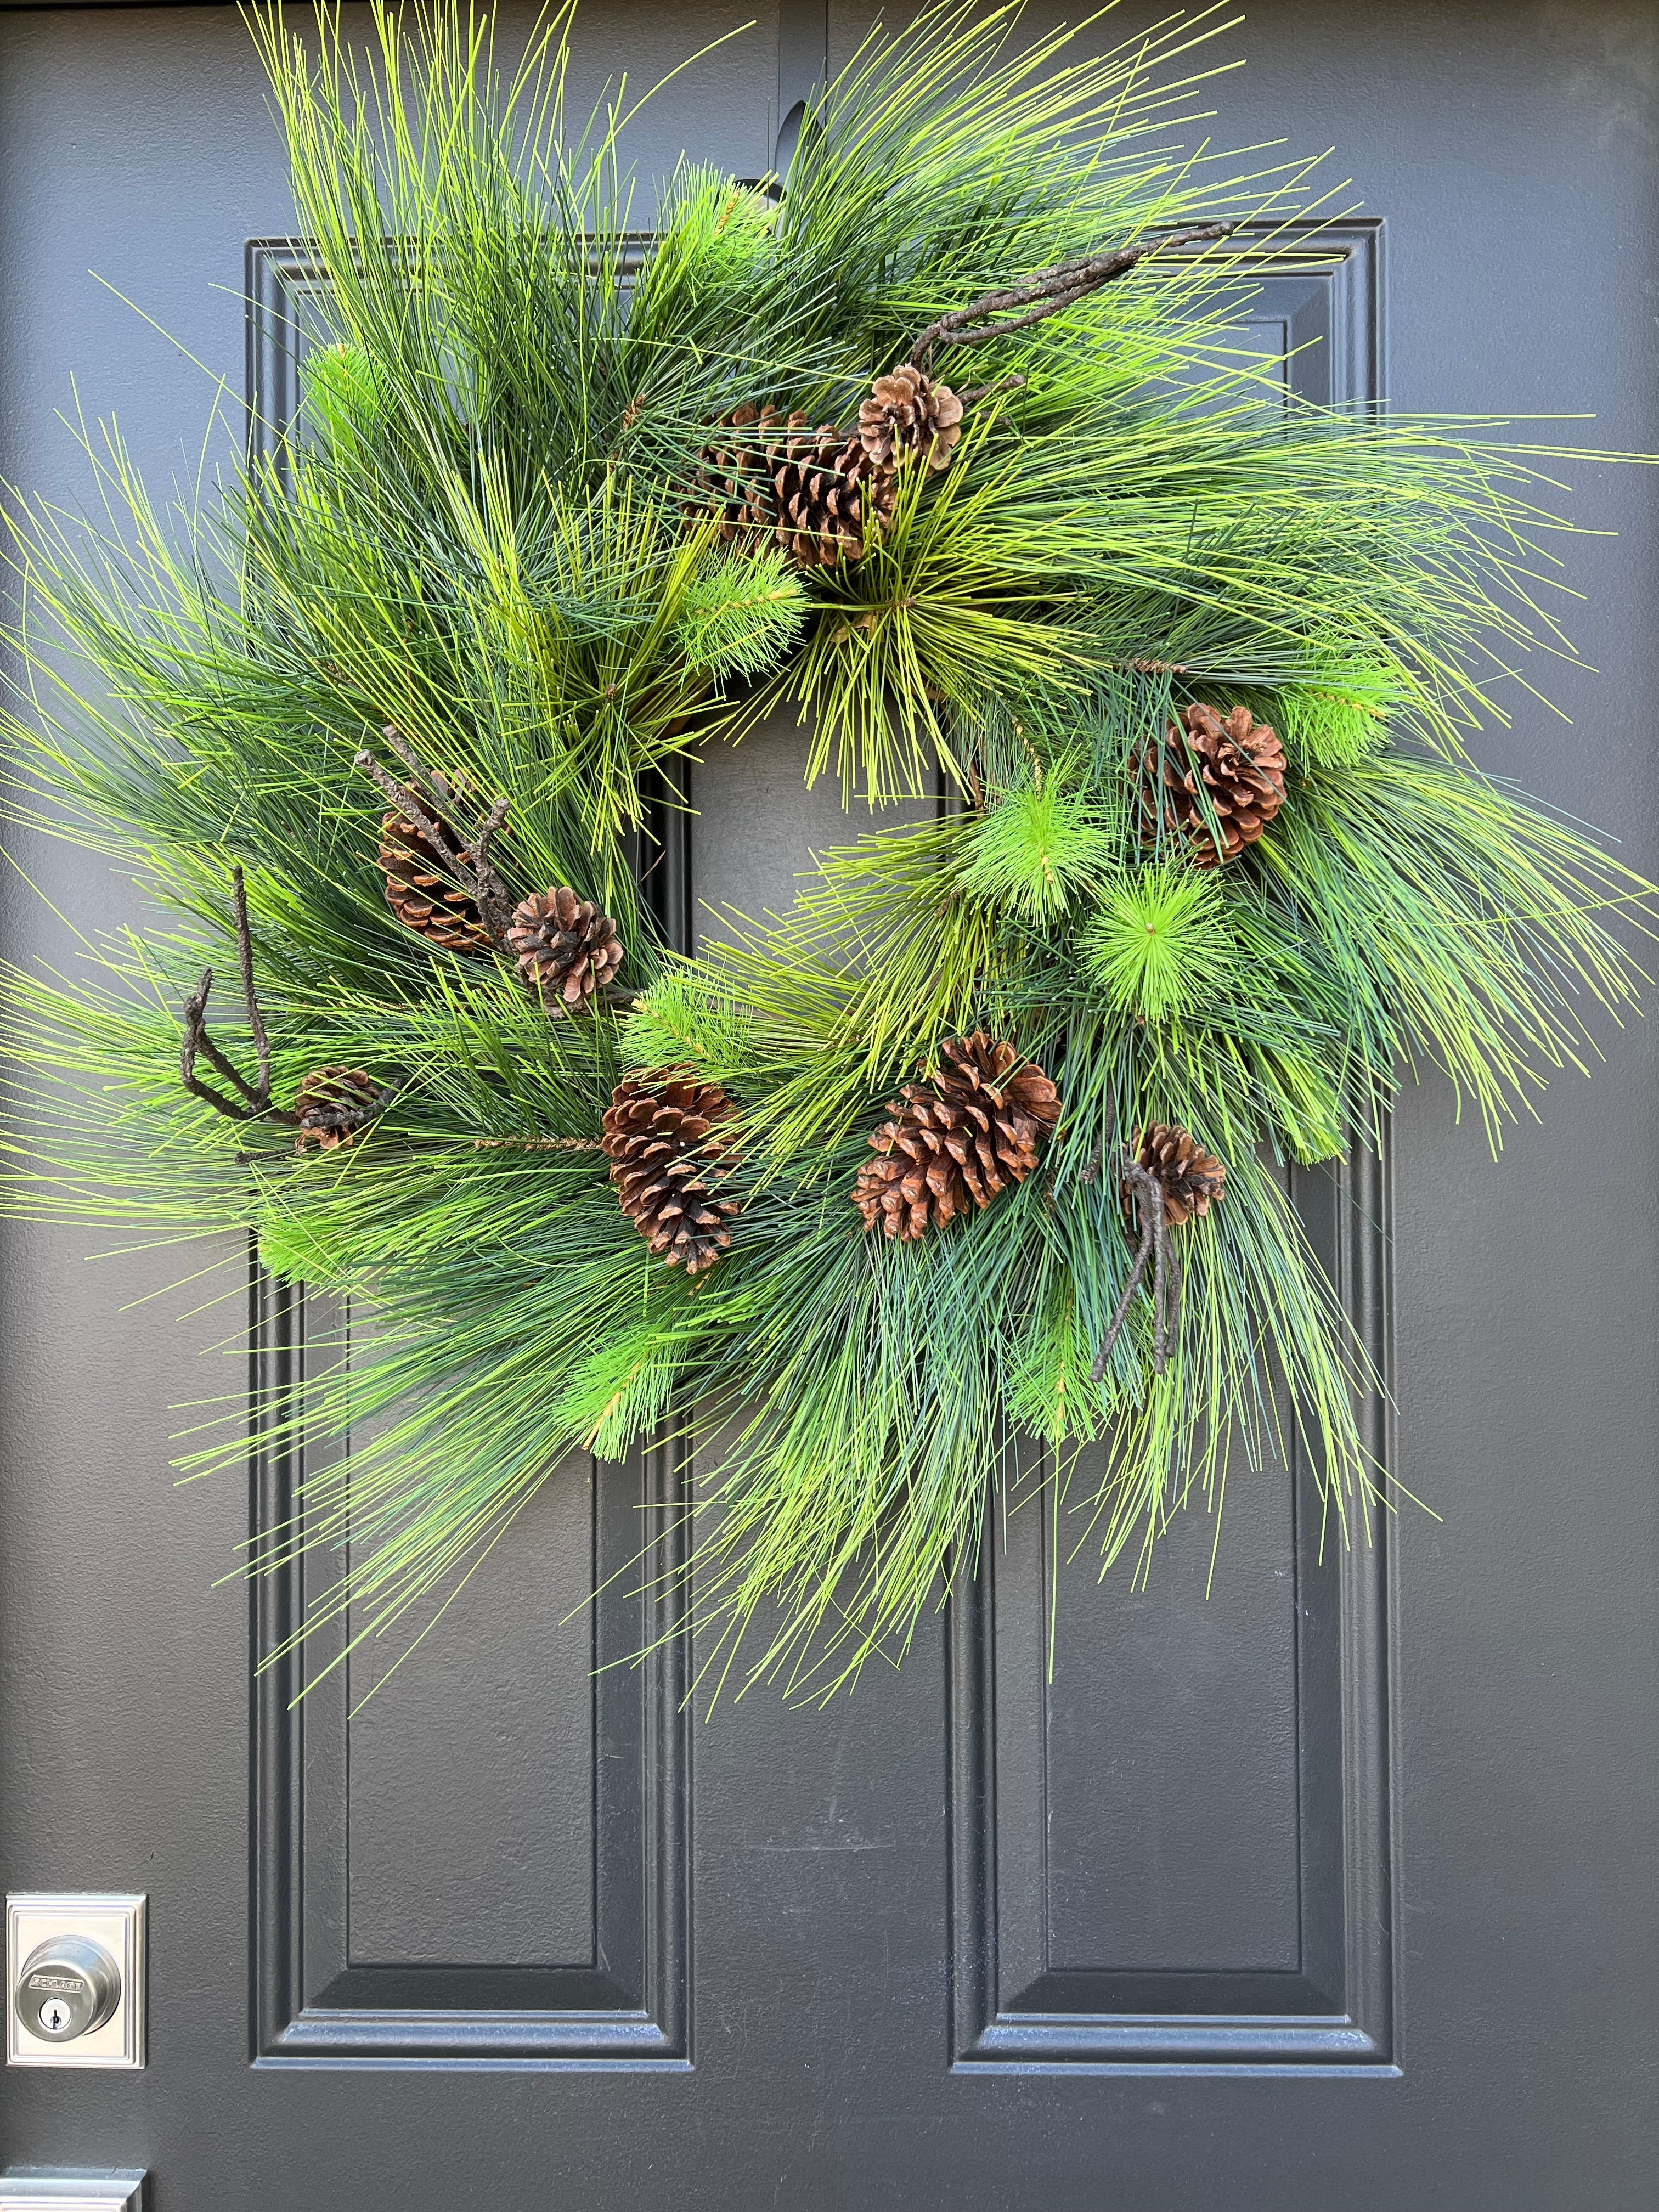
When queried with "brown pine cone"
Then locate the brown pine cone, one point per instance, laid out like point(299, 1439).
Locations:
point(565, 949)
point(734, 475)
point(1190, 1177)
point(423, 892)
point(667, 1168)
point(1240, 766)
point(821, 484)
point(876, 487)
point(909, 416)
point(957, 1140)
point(332, 1105)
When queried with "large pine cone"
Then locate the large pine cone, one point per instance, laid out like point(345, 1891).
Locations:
point(566, 950)
point(422, 888)
point(331, 1105)
point(1188, 1176)
point(908, 416)
point(827, 496)
point(1241, 768)
point(955, 1142)
point(667, 1166)
point(734, 475)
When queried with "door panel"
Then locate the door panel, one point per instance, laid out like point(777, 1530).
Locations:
point(1173, 1833)
point(1320, 1887)
point(489, 1860)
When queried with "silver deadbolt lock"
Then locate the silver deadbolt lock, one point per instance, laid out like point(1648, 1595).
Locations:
point(69, 1984)
point(74, 1985)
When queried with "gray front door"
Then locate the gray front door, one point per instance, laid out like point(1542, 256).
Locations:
point(1328, 1892)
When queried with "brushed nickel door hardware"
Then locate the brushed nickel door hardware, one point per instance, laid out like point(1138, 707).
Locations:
point(105, 2189)
point(74, 1981)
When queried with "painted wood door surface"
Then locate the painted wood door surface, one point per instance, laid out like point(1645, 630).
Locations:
point(1328, 1892)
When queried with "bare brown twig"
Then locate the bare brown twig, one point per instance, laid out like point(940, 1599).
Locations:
point(255, 1098)
point(536, 1145)
point(999, 312)
point(345, 1121)
point(471, 866)
point(990, 391)
point(1155, 1246)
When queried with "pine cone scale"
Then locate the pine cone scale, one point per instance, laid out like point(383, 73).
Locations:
point(819, 491)
point(332, 1105)
point(424, 891)
point(734, 476)
point(566, 950)
point(908, 417)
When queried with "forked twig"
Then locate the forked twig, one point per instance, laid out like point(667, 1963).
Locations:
point(1047, 292)
point(406, 799)
point(346, 1119)
point(471, 866)
point(1155, 1246)
point(255, 1098)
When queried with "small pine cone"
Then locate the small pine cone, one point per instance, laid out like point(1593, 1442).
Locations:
point(820, 500)
point(957, 1140)
point(734, 475)
point(908, 416)
point(1190, 1177)
point(1240, 766)
point(667, 1168)
point(566, 950)
point(422, 888)
point(331, 1105)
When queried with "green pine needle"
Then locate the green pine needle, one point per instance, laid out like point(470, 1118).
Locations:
point(344, 394)
point(740, 615)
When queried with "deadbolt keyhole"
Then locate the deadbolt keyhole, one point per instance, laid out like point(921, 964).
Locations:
point(68, 1986)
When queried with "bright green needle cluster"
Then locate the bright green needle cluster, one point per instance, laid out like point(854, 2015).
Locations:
point(1160, 945)
point(491, 533)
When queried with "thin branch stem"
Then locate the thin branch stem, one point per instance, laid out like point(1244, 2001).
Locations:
point(407, 804)
point(1047, 292)
point(494, 902)
point(217, 1060)
point(256, 1020)
point(536, 1145)
point(990, 391)
point(347, 1118)
point(197, 1043)
point(1147, 1194)
point(472, 867)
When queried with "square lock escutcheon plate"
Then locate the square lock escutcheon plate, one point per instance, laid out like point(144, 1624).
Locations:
point(116, 1926)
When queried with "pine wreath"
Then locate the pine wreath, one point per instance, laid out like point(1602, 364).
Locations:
point(1198, 663)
